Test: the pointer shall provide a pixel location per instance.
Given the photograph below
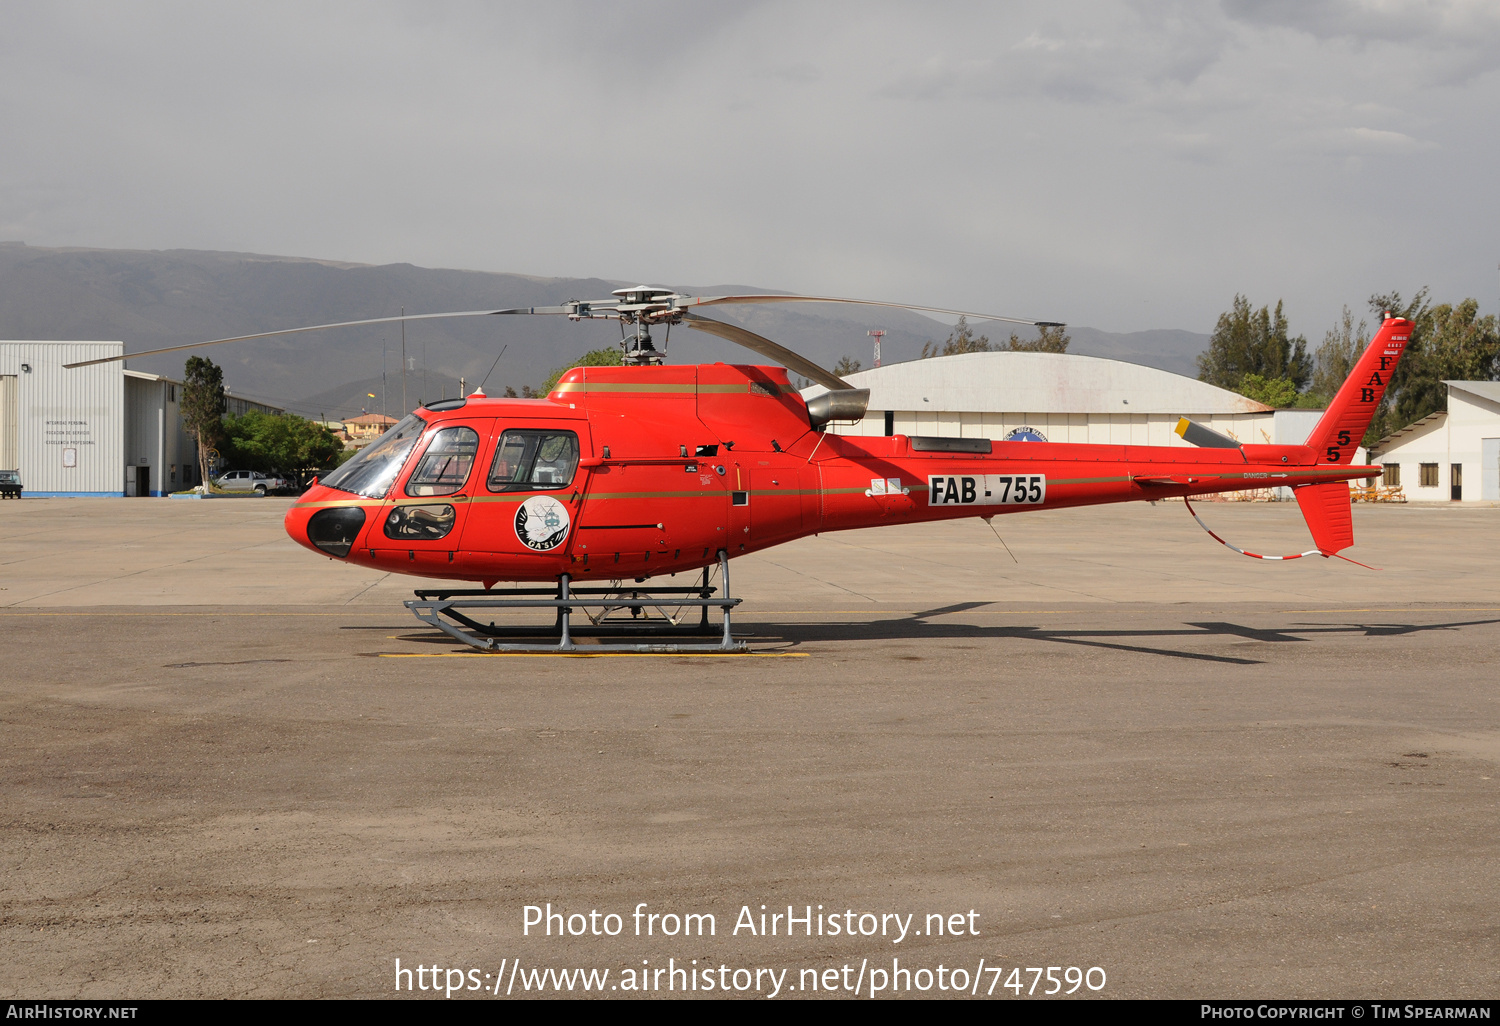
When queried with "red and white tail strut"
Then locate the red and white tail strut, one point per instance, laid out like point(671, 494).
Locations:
point(1257, 555)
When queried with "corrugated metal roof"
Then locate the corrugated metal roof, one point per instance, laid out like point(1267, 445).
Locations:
point(1396, 437)
point(143, 376)
point(1484, 389)
point(1008, 382)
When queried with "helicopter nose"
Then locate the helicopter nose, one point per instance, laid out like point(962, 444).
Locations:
point(322, 521)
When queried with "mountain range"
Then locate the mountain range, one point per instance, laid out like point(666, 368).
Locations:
point(156, 298)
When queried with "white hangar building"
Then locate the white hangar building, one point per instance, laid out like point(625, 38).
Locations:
point(64, 430)
point(1452, 455)
point(1059, 397)
point(160, 456)
point(93, 431)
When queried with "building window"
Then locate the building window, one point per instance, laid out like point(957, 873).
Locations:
point(1429, 475)
point(1392, 476)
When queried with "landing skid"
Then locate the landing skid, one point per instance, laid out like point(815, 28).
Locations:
point(445, 610)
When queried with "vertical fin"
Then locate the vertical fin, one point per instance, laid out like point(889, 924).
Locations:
point(1342, 428)
point(1326, 508)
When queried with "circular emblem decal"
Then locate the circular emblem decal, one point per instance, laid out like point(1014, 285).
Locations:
point(1025, 434)
point(542, 523)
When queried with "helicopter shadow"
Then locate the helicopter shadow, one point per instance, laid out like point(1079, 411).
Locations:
point(921, 626)
point(918, 627)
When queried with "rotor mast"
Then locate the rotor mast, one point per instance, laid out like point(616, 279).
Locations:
point(642, 306)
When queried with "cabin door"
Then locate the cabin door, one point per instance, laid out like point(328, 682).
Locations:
point(423, 516)
point(524, 509)
point(641, 515)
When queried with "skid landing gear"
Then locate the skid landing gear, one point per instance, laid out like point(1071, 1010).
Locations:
point(448, 611)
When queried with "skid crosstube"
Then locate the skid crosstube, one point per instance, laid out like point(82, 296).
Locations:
point(439, 607)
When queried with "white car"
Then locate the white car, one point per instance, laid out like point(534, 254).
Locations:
point(251, 481)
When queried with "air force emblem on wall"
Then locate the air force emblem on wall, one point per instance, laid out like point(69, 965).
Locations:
point(542, 523)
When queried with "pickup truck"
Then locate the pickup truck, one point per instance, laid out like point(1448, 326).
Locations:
point(10, 484)
point(252, 481)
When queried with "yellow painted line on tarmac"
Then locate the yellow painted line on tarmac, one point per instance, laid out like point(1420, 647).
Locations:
point(1408, 609)
point(744, 611)
point(389, 612)
point(903, 609)
point(592, 655)
point(372, 612)
point(791, 612)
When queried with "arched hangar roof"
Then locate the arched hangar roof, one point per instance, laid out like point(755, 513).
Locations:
point(1011, 382)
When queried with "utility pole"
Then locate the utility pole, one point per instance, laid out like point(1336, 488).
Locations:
point(403, 361)
point(383, 347)
point(877, 335)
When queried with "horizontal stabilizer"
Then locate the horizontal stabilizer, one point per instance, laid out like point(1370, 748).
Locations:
point(1204, 438)
point(1327, 512)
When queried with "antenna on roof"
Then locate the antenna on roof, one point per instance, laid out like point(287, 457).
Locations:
point(492, 367)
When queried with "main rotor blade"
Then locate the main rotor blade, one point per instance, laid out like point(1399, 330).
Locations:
point(765, 347)
point(310, 327)
point(608, 305)
point(691, 301)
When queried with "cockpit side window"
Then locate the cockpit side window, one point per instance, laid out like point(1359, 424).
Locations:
point(533, 461)
point(372, 470)
point(444, 468)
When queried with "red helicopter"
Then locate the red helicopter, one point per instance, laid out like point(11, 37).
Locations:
point(633, 472)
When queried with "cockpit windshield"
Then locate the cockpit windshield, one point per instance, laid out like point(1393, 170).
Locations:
point(376, 466)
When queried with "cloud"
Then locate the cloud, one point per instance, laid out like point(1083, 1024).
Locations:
point(1355, 141)
point(1092, 160)
point(1452, 41)
point(1382, 141)
point(1102, 54)
point(1201, 147)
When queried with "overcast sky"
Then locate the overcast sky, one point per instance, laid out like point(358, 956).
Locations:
point(1115, 164)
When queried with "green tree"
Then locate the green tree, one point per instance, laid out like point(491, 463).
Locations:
point(1419, 311)
point(1448, 343)
point(1248, 341)
point(202, 405)
point(1464, 346)
point(1277, 392)
point(280, 443)
point(608, 357)
point(845, 366)
point(960, 340)
point(1048, 340)
point(1333, 361)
